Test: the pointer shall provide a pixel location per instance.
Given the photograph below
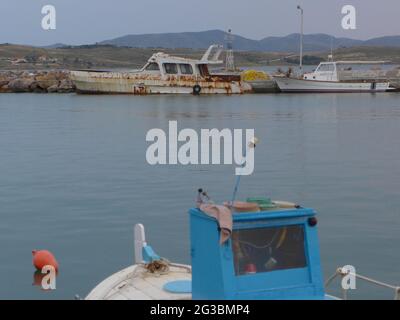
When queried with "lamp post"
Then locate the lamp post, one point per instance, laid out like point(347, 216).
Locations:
point(301, 37)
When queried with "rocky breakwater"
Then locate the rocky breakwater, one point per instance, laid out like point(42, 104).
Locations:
point(53, 81)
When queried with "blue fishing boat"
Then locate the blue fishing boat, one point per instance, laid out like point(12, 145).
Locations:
point(272, 254)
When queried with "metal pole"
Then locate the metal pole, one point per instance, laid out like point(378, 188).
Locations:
point(252, 144)
point(301, 37)
point(235, 191)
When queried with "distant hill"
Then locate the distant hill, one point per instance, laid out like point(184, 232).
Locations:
point(289, 43)
point(311, 42)
point(194, 40)
point(390, 41)
point(56, 45)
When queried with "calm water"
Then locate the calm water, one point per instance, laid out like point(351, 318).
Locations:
point(74, 179)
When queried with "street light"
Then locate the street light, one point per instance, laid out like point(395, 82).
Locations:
point(301, 37)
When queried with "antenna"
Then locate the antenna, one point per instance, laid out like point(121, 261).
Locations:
point(330, 58)
point(252, 144)
point(230, 63)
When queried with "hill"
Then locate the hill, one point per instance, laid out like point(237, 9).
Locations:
point(289, 43)
point(111, 57)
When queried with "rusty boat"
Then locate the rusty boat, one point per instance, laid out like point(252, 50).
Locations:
point(164, 74)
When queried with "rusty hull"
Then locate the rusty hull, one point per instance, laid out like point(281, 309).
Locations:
point(142, 83)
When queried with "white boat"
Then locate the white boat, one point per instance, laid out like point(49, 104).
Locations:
point(164, 73)
point(336, 77)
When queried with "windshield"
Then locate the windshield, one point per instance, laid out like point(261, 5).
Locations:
point(152, 66)
point(268, 249)
point(330, 67)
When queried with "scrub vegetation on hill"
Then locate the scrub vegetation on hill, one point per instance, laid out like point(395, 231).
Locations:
point(111, 57)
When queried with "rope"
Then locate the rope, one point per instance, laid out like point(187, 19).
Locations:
point(331, 278)
point(341, 272)
point(263, 246)
point(162, 266)
point(159, 267)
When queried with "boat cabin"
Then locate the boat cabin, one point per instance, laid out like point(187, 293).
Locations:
point(326, 71)
point(165, 65)
point(270, 255)
point(346, 71)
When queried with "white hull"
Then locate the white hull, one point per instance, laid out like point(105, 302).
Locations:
point(299, 85)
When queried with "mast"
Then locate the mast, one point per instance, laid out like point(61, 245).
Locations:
point(301, 37)
point(230, 63)
point(330, 57)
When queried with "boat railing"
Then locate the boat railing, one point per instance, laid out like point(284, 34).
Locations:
point(343, 272)
point(217, 52)
point(344, 75)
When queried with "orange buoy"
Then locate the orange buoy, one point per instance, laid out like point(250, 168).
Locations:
point(43, 258)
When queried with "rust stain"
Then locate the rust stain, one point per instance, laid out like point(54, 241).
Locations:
point(140, 90)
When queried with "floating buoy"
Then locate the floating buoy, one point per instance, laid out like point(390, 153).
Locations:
point(43, 258)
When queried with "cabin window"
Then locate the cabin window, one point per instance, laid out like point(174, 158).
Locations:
point(186, 68)
point(268, 249)
point(152, 66)
point(326, 68)
point(203, 69)
point(171, 68)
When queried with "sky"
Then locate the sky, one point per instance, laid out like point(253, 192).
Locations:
point(90, 21)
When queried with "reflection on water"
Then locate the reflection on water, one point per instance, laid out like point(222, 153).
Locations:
point(74, 178)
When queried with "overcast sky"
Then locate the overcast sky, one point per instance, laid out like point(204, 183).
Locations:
point(89, 21)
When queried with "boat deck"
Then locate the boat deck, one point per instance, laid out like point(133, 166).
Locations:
point(137, 283)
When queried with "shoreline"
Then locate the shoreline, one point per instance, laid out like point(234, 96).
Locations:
point(59, 81)
point(37, 81)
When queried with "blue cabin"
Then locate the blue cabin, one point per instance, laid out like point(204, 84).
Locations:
point(270, 255)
